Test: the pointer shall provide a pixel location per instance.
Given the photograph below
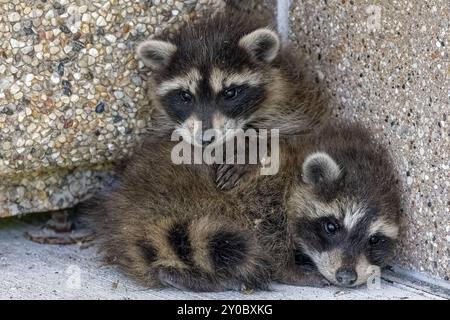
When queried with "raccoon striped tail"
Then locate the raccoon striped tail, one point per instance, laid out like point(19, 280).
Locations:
point(208, 254)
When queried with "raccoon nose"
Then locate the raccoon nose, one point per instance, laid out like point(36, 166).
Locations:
point(206, 142)
point(346, 277)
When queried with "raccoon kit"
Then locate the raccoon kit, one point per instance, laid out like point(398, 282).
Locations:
point(229, 72)
point(344, 216)
point(331, 213)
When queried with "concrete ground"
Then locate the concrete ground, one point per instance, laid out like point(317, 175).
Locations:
point(35, 271)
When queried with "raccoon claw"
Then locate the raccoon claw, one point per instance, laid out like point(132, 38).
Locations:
point(223, 168)
point(228, 177)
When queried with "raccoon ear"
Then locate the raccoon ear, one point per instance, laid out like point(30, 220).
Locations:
point(319, 168)
point(156, 54)
point(262, 44)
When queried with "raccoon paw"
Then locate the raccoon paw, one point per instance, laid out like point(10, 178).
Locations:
point(317, 281)
point(306, 279)
point(228, 176)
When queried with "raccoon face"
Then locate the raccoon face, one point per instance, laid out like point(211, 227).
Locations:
point(209, 86)
point(348, 237)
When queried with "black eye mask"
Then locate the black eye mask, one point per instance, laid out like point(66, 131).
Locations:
point(176, 105)
point(304, 261)
point(244, 102)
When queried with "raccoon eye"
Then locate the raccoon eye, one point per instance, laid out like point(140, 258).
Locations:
point(186, 96)
point(330, 227)
point(231, 93)
point(374, 240)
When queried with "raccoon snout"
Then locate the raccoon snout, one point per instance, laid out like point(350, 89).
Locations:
point(346, 277)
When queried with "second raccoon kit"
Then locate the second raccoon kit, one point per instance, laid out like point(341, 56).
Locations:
point(334, 206)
